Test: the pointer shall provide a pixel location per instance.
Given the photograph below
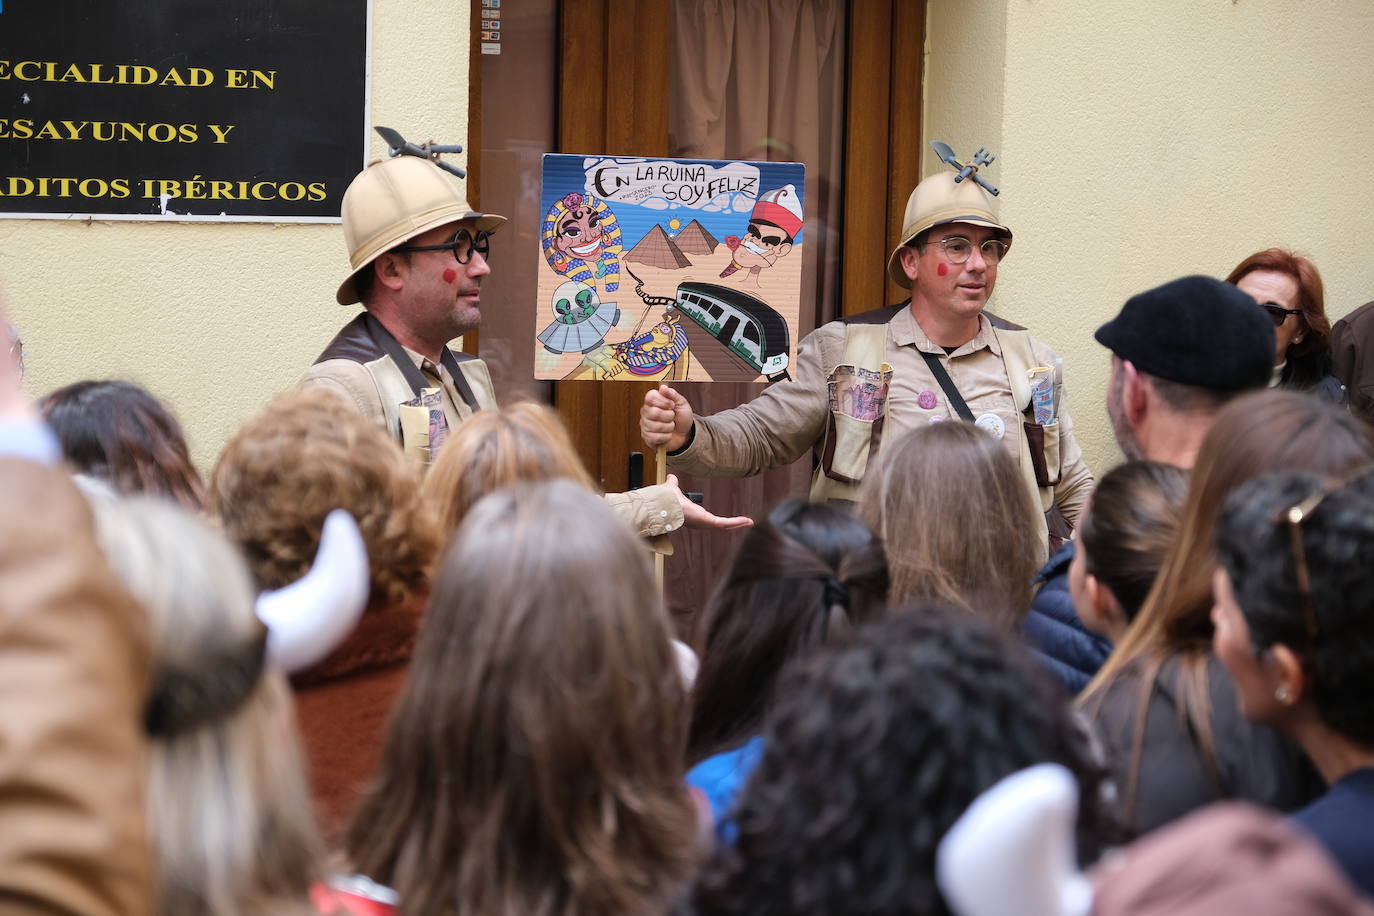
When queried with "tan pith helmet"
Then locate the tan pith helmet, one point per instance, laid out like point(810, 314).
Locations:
point(391, 202)
point(939, 200)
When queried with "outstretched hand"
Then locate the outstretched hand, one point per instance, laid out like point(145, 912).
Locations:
point(665, 419)
point(695, 516)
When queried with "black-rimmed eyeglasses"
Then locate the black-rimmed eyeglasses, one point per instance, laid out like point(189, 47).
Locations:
point(463, 244)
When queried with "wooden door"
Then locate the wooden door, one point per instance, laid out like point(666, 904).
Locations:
point(614, 98)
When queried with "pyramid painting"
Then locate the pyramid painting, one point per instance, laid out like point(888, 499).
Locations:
point(648, 271)
point(694, 239)
point(657, 250)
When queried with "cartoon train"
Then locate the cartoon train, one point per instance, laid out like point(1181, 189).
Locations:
point(748, 327)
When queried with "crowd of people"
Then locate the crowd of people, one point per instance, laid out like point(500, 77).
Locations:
point(965, 677)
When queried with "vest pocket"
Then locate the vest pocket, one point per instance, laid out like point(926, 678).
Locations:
point(1044, 451)
point(858, 407)
point(848, 445)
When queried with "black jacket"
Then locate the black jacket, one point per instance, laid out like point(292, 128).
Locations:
point(1054, 632)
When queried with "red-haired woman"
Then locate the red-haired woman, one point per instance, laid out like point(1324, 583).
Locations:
point(1288, 287)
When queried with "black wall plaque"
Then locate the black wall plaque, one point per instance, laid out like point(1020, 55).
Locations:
point(206, 109)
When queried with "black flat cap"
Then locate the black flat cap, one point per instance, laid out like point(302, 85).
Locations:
point(1195, 331)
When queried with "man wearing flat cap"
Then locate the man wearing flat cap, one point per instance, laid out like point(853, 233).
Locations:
point(1179, 353)
point(863, 380)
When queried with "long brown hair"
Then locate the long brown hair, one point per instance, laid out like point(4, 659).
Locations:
point(1309, 359)
point(956, 521)
point(1254, 434)
point(520, 443)
point(534, 761)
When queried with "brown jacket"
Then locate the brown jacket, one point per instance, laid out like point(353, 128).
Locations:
point(73, 668)
point(343, 703)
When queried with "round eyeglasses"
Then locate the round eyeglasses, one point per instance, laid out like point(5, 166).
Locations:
point(958, 250)
point(1277, 313)
point(463, 244)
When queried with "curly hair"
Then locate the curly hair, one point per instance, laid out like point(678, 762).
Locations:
point(1256, 550)
point(803, 577)
point(310, 452)
point(872, 753)
point(118, 433)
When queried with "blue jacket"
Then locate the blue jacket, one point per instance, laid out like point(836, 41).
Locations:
point(1054, 632)
point(721, 778)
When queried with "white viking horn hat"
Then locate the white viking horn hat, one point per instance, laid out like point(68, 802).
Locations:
point(307, 619)
point(1012, 852)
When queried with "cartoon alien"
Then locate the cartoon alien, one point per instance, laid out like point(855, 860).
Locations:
point(580, 319)
point(773, 225)
point(581, 240)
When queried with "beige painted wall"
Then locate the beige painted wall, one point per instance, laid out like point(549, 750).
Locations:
point(1138, 142)
point(216, 318)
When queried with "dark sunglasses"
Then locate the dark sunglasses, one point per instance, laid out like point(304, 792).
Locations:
point(463, 244)
point(1277, 313)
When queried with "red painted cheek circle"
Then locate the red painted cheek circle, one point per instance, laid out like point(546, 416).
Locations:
point(942, 269)
point(450, 274)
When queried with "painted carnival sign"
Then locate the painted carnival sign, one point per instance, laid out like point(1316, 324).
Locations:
point(672, 269)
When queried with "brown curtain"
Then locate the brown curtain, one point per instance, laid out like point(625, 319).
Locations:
point(760, 80)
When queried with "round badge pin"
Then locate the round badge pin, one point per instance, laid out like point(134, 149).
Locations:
point(926, 399)
point(992, 424)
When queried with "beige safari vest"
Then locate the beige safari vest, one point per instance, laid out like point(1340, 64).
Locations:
point(850, 442)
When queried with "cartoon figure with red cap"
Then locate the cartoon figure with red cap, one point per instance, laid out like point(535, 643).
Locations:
point(775, 222)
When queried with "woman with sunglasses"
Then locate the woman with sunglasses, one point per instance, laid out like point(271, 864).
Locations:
point(1293, 628)
point(1289, 288)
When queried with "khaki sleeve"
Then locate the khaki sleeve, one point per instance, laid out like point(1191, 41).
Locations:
point(74, 658)
point(651, 512)
point(776, 428)
point(350, 381)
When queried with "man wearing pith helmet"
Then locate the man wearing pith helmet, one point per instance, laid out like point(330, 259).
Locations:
point(418, 255)
point(863, 380)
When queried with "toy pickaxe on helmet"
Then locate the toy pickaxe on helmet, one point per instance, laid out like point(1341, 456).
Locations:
point(980, 158)
point(400, 146)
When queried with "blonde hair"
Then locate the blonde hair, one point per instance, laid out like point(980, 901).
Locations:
point(534, 761)
point(956, 521)
point(309, 452)
point(521, 443)
point(227, 805)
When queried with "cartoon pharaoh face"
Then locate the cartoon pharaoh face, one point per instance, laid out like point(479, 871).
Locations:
point(581, 240)
point(578, 232)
